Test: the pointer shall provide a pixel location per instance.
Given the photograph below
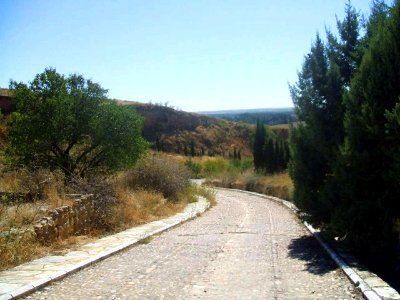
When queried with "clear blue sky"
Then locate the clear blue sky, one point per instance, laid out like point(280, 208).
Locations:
point(194, 54)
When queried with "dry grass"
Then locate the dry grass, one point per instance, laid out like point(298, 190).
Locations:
point(139, 207)
point(278, 185)
point(10, 182)
point(207, 193)
point(18, 247)
point(17, 240)
point(19, 215)
point(54, 198)
point(130, 208)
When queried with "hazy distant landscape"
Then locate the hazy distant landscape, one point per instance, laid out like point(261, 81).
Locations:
point(268, 116)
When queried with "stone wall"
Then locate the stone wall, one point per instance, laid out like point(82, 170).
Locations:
point(66, 221)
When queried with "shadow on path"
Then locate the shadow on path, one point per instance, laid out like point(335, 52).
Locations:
point(307, 248)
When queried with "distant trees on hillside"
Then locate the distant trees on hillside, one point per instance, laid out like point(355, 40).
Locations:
point(345, 148)
point(283, 116)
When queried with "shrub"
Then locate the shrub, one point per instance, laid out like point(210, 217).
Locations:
point(213, 167)
point(160, 175)
point(194, 167)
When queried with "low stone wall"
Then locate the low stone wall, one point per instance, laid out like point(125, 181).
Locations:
point(66, 221)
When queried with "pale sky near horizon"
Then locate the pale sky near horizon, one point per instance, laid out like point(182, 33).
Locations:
point(197, 55)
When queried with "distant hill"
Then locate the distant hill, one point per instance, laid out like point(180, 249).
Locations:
point(268, 116)
point(173, 130)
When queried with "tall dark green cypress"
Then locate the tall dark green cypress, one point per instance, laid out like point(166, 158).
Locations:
point(318, 99)
point(258, 146)
point(368, 170)
point(269, 156)
point(192, 149)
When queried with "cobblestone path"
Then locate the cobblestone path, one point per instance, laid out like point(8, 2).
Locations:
point(246, 247)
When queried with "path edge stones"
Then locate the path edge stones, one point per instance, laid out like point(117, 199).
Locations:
point(378, 289)
point(125, 239)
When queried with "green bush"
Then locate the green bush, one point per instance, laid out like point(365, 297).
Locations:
point(194, 167)
point(239, 166)
point(214, 167)
point(160, 175)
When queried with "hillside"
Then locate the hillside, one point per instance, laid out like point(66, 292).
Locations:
point(172, 130)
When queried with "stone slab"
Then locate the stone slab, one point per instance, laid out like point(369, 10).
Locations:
point(387, 293)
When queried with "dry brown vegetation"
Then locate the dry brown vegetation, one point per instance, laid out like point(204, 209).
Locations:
point(176, 129)
point(278, 185)
point(121, 204)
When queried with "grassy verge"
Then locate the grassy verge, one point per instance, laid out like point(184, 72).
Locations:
point(239, 174)
point(277, 185)
point(124, 201)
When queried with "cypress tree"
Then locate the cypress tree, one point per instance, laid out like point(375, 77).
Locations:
point(269, 156)
point(157, 143)
point(369, 162)
point(318, 99)
point(192, 149)
point(258, 146)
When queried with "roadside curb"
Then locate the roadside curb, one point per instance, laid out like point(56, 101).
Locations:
point(29, 277)
point(370, 284)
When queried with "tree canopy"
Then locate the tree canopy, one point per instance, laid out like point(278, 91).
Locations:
point(345, 149)
point(69, 123)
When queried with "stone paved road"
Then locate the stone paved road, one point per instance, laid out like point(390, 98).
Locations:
point(246, 247)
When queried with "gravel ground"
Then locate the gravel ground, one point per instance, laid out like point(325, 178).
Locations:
point(246, 247)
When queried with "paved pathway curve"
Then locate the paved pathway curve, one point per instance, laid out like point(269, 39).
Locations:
point(246, 247)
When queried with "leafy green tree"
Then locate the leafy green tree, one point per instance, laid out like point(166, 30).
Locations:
point(68, 123)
